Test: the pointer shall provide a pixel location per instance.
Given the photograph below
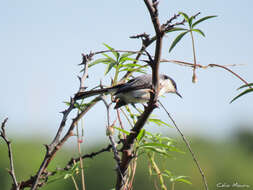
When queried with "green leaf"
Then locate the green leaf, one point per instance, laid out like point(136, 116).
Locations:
point(202, 19)
point(168, 172)
point(123, 59)
point(126, 55)
point(67, 176)
point(181, 179)
point(141, 135)
point(245, 85)
point(131, 65)
point(184, 181)
point(110, 58)
point(109, 67)
point(101, 60)
point(122, 130)
point(155, 145)
point(158, 122)
point(174, 149)
point(177, 39)
point(186, 17)
point(134, 69)
point(116, 54)
point(157, 150)
point(190, 20)
point(176, 29)
point(199, 31)
point(243, 93)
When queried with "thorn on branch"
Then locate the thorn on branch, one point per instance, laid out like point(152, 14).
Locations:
point(144, 37)
point(169, 25)
point(86, 58)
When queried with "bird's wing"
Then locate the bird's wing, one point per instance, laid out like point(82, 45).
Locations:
point(86, 94)
point(141, 82)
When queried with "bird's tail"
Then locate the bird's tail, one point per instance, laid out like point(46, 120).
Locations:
point(86, 94)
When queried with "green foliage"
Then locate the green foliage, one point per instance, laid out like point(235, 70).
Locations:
point(191, 28)
point(80, 106)
point(63, 174)
point(235, 159)
point(119, 62)
point(250, 89)
point(156, 143)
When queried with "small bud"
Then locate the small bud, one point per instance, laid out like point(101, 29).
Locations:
point(110, 130)
point(194, 78)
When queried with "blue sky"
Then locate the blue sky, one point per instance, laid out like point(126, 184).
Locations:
point(42, 42)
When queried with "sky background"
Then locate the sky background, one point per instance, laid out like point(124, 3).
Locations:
point(41, 44)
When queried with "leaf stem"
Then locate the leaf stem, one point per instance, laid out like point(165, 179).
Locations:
point(194, 58)
point(157, 170)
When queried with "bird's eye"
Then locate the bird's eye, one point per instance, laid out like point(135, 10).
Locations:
point(166, 77)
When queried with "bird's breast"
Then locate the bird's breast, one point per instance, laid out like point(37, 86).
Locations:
point(135, 96)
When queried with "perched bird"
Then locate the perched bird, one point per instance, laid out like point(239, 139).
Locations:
point(136, 90)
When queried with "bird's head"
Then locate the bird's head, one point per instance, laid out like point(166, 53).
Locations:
point(168, 85)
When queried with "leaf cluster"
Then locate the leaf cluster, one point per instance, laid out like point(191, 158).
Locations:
point(191, 28)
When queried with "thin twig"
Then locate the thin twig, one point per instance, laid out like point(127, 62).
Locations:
point(79, 141)
point(120, 122)
point(110, 135)
point(57, 142)
point(115, 50)
point(207, 66)
point(147, 41)
point(188, 146)
point(11, 171)
point(91, 155)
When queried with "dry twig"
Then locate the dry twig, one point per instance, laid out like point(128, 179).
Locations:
point(8, 142)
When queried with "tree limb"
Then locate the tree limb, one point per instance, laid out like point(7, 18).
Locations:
point(8, 143)
point(127, 149)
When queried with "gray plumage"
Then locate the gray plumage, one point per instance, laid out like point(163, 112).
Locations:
point(136, 90)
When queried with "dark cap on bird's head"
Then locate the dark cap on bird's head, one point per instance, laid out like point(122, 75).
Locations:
point(168, 85)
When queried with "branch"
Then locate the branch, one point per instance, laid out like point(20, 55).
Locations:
point(86, 59)
point(109, 131)
point(85, 156)
point(169, 25)
point(207, 66)
point(127, 149)
point(69, 165)
point(11, 171)
point(57, 143)
point(188, 146)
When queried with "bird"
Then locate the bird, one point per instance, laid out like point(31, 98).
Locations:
point(136, 90)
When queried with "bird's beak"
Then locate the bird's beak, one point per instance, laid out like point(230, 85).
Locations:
point(177, 93)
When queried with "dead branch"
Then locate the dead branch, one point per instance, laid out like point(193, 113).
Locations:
point(8, 143)
point(57, 143)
